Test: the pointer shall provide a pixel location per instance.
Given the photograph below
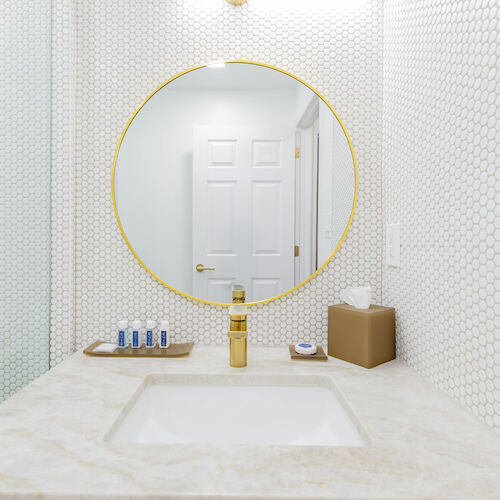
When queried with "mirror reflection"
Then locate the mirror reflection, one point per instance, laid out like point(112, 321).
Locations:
point(234, 173)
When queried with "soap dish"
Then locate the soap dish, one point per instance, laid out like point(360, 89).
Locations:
point(319, 356)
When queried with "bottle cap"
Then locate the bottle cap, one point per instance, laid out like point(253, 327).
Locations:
point(164, 324)
point(136, 324)
point(150, 324)
point(123, 324)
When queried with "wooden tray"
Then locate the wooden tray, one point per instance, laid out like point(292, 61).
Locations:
point(319, 356)
point(173, 351)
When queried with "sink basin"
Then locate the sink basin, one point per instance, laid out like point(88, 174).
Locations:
point(238, 409)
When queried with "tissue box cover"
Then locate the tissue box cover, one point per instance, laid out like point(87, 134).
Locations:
point(365, 337)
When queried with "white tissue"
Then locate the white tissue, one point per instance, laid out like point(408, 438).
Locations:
point(359, 297)
point(105, 347)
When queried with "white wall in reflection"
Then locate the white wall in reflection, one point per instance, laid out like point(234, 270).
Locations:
point(157, 159)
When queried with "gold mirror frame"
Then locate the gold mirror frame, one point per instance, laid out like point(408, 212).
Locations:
point(349, 222)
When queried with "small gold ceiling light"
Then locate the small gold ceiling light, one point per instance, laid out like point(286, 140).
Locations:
point(237, 2)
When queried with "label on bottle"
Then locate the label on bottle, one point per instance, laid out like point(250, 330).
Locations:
point(122, 334)
point(149, 338)
point(163, 339)
point(135, 338)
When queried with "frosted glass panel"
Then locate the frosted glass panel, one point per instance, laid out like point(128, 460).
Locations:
point(24, 192)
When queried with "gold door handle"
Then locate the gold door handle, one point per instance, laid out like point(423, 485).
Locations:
point(200, 268)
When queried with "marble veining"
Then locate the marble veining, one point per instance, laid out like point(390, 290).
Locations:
point(423, 445)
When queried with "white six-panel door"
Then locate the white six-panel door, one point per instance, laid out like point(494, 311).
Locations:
point(243, 211)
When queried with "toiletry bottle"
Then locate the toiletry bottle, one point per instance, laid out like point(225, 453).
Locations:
point(136, 334)
point(164, 341)
point(122, 334)
point(150, 337)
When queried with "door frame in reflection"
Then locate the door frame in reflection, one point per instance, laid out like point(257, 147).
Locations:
point(349, 222)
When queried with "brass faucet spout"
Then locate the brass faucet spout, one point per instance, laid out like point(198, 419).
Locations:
point(237, 336)
point(238, 349)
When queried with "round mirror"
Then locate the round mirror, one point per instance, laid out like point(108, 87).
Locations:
point(234, 173)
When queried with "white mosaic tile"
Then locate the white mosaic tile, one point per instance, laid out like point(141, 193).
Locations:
point(25, 192)
point(62, 324)
point(440, 181)
point(125, 50)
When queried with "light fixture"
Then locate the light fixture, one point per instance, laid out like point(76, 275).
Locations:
point(237, 2)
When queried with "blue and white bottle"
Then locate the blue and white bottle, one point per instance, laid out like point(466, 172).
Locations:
point(135, 340)
point(150, 336)
point(164, 334)
point(122, 334)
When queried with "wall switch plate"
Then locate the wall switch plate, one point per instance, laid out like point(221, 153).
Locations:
point(393, 245)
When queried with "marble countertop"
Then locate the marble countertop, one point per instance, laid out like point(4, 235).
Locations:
point(423, 445)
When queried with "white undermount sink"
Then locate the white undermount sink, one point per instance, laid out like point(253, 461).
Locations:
point(238, 409)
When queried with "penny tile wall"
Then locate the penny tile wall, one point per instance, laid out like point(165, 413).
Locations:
point(24, 192)
point(124, 50)
point(433, 77)
point(440, 179)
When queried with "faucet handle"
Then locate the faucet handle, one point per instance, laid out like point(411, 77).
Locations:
point(238, 318)
point(238, 293)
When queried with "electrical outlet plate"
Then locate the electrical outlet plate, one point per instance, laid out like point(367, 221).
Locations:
point(393, 245)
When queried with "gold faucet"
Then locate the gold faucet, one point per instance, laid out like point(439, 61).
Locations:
point(238, 329)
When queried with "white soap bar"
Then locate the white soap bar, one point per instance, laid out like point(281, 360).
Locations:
point(304, 348)
point(106, 347)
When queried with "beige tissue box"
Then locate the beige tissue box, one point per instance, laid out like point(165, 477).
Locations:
point(365, 337)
